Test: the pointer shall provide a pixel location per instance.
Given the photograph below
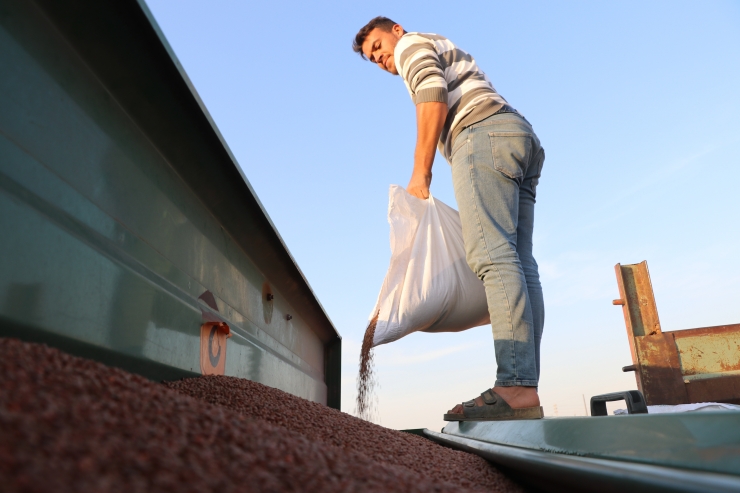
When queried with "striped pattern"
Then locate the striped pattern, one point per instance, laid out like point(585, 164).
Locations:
point(434, 69)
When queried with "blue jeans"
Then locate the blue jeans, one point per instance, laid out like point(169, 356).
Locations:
point(496, 164)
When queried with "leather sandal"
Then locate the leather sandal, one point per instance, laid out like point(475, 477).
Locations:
point(495, 408)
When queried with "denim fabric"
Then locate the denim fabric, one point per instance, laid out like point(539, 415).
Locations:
point(496, 165)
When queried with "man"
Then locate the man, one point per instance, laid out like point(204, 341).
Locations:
point(496, 161)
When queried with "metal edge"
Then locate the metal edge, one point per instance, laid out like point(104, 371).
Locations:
point(65, 14)
point(150, 369)
point(155, 26)
point(333, 374)
point(556, 472)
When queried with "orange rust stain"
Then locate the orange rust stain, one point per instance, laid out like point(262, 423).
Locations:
point(213, 336)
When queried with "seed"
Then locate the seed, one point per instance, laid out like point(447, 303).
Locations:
point(68, 424)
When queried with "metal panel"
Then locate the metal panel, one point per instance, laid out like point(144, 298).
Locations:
point(700, 441)
point(554, 472)
point(659, 373)
point(709, 350)
point(710, 362)
point(121, 206)
point(715, 389)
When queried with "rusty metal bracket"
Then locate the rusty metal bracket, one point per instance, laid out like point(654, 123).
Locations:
point(676, 367)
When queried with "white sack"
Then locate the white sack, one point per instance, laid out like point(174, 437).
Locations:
point(429, 285)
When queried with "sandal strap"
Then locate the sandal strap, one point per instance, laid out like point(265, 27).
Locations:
point(489, 397)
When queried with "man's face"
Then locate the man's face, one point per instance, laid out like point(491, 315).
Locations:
point(379, 45)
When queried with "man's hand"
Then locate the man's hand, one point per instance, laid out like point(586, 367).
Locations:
point(419, 184)
point(430, 118)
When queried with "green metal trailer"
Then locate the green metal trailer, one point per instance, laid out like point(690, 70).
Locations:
point(684, 452)
point(125, 221)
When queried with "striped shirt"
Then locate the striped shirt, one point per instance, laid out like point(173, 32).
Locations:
point(434, 69)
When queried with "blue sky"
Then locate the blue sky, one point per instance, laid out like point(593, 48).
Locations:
point(636, 104)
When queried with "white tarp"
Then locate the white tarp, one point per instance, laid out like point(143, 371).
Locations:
point(687, 408)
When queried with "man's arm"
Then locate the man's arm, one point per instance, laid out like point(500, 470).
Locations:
point(430, 118)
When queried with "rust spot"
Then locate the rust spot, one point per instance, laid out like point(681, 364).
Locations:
point(213, 336)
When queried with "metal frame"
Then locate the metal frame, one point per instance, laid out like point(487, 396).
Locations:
point(558, 472)
point(676, 367)
point(700, 441)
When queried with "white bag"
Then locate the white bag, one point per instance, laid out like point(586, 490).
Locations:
point(429, 286)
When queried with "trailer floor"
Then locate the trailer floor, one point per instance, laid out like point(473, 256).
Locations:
point(71, 424)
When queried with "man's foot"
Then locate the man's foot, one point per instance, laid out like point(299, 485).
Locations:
point(517, 397)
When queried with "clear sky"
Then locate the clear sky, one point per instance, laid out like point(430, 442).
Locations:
point(636, 103)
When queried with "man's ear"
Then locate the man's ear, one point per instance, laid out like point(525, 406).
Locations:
point(397, 29)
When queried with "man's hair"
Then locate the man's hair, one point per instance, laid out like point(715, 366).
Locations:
point(382, 23)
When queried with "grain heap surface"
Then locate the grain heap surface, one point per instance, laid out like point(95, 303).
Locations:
point(69, 424)
point(321, 424)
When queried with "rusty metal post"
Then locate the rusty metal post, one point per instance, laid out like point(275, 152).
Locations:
point(637, 299)
point(654, 356)
point(636, 308)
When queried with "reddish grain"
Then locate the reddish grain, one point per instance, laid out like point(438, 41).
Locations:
point(321, 424)
point(69, 424)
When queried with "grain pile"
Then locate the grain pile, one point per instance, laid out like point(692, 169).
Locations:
point(70, 424)
point(321, 424)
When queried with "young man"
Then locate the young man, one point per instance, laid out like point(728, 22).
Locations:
point(496, 162)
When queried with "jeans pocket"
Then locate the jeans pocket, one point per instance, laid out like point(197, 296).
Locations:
point(511, 153)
